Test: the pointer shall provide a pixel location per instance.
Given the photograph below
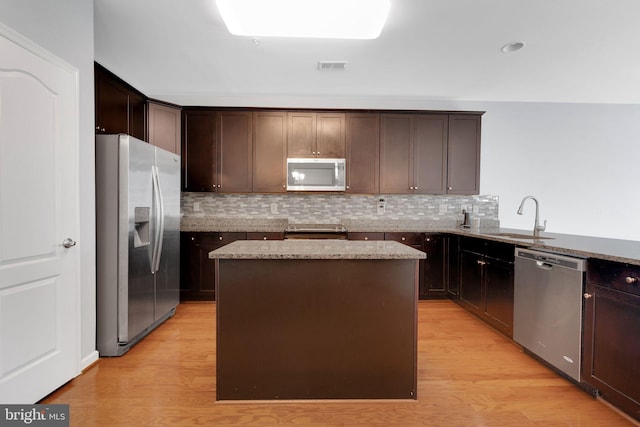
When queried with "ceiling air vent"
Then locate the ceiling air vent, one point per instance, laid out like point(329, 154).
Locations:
point(332, 65)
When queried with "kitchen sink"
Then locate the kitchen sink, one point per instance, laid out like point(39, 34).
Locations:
point(518, 236)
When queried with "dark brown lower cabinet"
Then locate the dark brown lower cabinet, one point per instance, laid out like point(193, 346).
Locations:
point(611, 335)
point(486, 281)
point(197, 271)
point(453, 266)
point(416, 241)
point(436, 266)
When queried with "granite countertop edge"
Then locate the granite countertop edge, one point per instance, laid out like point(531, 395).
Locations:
point(317, 249)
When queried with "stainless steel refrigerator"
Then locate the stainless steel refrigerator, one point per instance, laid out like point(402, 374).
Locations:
point(137, 240)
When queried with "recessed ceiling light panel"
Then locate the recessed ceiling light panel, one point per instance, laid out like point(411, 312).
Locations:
point(340, 19)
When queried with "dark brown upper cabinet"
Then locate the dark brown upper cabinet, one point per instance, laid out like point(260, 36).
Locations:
point(429, 154)
point(269, 151)
point(312, 134)
point(119, 108)
point(363, 153)
point(164, 126)
point(463, 159)
point(234, 151)
point(396, 146)
point(199, 162)
point(413, 153)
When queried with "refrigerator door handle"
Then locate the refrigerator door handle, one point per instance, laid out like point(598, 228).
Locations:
point(159, 231)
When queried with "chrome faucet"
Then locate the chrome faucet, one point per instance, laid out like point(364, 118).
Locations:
point(537, 228)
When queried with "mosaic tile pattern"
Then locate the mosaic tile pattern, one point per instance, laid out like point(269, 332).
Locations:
point(336, 208)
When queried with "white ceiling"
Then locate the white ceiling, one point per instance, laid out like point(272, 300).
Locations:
point(585, 51)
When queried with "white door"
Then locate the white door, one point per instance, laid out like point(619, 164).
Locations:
point(39, 276)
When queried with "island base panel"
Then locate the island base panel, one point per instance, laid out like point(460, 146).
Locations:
point(316, 329)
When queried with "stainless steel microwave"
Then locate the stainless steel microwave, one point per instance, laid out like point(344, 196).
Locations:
point(315, 174)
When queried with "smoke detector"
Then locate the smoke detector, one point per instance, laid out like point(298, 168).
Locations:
point(332, 65)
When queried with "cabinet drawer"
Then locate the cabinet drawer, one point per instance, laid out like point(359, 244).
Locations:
point(213, 238)
point(406, 238)
point(272, 235)
point(615, 275)
point(488, 248)
point(365, 236)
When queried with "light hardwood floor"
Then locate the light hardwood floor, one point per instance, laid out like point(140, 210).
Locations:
point(468, 375)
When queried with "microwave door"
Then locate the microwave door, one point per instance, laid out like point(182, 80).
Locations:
point(314, 175)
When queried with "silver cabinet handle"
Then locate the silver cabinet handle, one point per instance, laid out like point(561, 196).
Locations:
point(68, 242)
point(366, 238)
point(449, 188)
point(220, 238)
point(587, 295)
point(630, 280)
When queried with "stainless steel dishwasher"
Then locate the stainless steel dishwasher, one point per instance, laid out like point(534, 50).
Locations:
point(547, 313)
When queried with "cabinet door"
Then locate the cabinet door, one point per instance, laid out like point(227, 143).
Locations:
point(435, 266)
point(235, 147)
point(463, 171)
point(199, 166)
point(611, 335)
point(164, 126)
point(301, 130)
point(330, 135)
point(498, 304)
point(138, 116)
point(453, 284)
point(119, 108)
point(197, 270)
point(430, 154)
point(269, 151)
point(396, 165)
point(112, 104)
point(363, 153)
point(471, 281)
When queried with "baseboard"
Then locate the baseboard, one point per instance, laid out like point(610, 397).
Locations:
point(89, 360)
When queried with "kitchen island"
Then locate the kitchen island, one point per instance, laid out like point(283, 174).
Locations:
point(316, 319)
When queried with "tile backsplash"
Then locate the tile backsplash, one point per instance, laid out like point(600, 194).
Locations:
point(334, 208)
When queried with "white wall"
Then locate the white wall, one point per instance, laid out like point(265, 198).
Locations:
point(65, 28)
point(579, 160)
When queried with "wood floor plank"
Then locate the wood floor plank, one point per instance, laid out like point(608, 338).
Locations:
point(468, 375)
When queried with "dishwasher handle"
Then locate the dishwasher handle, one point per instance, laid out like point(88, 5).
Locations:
point(544, 265)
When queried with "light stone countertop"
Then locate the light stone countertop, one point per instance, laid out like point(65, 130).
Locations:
point(626, 251)
point(316, 249)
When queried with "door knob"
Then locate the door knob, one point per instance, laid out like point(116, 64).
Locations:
point(68, 243)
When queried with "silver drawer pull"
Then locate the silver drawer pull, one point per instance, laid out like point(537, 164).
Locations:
point(630, 279)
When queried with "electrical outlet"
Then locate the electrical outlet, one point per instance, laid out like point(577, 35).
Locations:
point(274, 208)
point(474, 209)
point(382, 206)
point(196, 206)
point(443, 208)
